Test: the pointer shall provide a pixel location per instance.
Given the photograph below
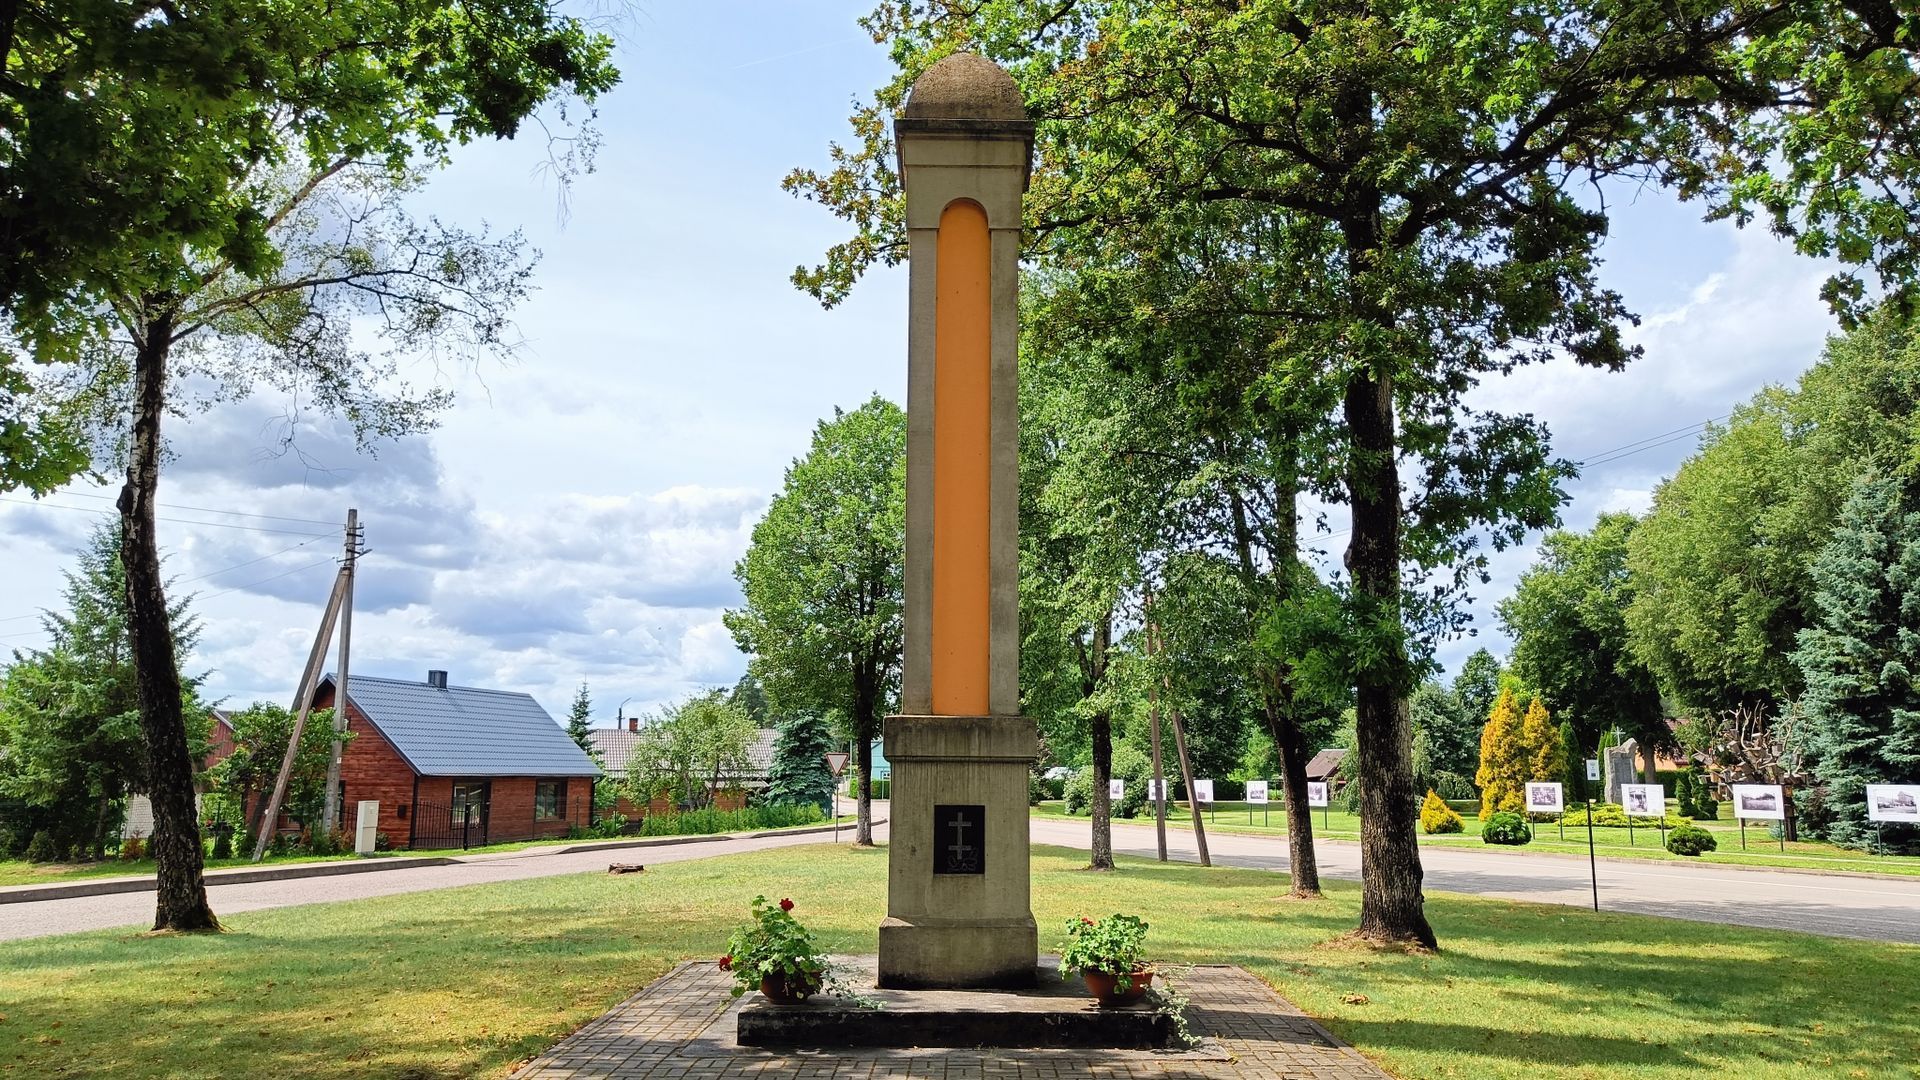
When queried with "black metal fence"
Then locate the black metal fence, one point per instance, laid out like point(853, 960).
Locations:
point(439, 827)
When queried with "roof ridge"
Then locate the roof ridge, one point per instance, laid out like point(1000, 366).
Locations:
point(334, 676)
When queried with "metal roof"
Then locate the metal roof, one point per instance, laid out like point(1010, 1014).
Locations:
point(467, 731)
point(1325, 764)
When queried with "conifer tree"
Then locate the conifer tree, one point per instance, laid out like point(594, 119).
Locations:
point(1861, 658)
point(1572, 762)
point(580, 722)
point(799, 774)
point(1502, 777)
point(1545, 759)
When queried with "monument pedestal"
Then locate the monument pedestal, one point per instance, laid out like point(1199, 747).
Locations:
point(959, 901)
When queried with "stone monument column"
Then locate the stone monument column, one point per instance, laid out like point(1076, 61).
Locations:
point(959, 911)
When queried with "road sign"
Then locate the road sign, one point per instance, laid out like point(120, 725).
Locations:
point(837, 763)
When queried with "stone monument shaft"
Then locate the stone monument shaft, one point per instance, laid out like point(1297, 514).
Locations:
point(959, 910)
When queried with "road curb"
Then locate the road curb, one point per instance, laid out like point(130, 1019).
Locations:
point(27, 894)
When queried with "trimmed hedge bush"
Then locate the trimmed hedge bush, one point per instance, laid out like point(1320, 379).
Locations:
point(1437, 817)
point(1614, 816)
point(708, 822)
point(1690, 839)
point(40, 848)
point(1506, 827)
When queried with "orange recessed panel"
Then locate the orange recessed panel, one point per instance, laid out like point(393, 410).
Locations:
point(962, 426)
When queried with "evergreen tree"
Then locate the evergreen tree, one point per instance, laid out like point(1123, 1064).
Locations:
point(1574, 761)
point(580, 722)
point(1545, 759)
point(71, 750)
point(799, 774)
point(1502, 777)
point(1861, 658)
point(1478, 685)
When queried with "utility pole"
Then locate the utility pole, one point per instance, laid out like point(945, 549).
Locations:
point(1159, 773)
point(330, 819)
point(303, 703)
point(1180, 747)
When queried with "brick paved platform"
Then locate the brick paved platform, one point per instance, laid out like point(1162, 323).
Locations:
point(681, 1027)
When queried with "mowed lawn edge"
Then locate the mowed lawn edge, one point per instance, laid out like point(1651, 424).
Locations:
point(471, 981)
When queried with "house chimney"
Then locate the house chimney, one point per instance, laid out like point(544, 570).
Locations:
point(633, 723)
point(437, 679)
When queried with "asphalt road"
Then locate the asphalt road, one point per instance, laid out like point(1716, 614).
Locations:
point(1856, 907)
point(1870, 908)
point(48, 917)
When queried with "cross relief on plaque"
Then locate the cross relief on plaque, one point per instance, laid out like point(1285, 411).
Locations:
point(959, 839)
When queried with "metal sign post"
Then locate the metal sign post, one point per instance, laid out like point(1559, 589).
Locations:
point(1593, 863)
point(836, 764)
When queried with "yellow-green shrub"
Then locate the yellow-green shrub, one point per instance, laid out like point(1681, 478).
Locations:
point(1437, 817)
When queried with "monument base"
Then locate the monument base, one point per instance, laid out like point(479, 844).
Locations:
point(959, 911)
point(1050, 1012)
point(932, 954)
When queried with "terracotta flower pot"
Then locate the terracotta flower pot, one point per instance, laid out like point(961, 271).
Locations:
point(1105, 986)
point(781, 990)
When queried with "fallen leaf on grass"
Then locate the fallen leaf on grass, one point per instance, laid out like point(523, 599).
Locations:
point(1354, 999)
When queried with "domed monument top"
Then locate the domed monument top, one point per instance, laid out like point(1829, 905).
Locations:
point(965, 86)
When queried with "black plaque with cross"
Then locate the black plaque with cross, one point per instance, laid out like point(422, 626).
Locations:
point(959, 839)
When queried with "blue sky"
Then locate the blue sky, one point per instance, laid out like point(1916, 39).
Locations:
point(578, 513)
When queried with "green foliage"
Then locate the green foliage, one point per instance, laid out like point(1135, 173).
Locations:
point(580, 721)
point(799, 772)
point(1437, 817)
point(1115, 945)
point(1691, 840)
point(1573, 760)
point(1477, 687)
point(709, 822)
point(1448, 731)
point(1129, 765)
point(822, 577)
point(1614, 816)
point(1506, 828)
point(1722, 567)
point(1861, 661)
point(71, 749)
point(690, 752)
point(774, 946)
point(42, 848)
point(260, 734)
point(1567, 618)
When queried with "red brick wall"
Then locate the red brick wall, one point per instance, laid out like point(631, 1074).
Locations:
point(370, 768)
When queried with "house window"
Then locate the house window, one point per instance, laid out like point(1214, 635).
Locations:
point(469, 795)
point(549, 800)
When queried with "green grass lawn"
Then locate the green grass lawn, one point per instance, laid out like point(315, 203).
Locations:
point(1340, 825)
point(467, 982)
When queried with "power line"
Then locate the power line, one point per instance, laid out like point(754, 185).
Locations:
point(202, 509)
point(1651, 442)
point(176, 521)
point(276, 577)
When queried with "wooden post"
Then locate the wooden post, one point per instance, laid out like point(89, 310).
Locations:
point(1186, 776)
point(309, 679)
point(1159, 773)
point(330, 819)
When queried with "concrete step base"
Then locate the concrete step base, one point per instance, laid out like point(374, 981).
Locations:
point(1054, 1013)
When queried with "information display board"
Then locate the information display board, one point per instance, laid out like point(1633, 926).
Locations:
point(1759, 802)
point(1316, 793)
point(1116, 789)
point(1643, 800)
point(1203, 792)
point(1545, 797)
point(1893, 802)
point(1257, 792)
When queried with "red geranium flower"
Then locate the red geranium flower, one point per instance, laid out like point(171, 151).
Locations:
point(1086, 920)
point(726, 963)
point(785, 904)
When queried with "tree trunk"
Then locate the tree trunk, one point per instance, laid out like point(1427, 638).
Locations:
point(1102, 791)
point(1649, 762)
point(865, 701)
point(1391, 904)
point(179, 890)
point(1276, 695)
point(1305, 865)
point(1093, 669)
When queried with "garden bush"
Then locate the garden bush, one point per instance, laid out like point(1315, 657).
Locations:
point(133, 849)
point(1437, 817)
point(1455, 787)
point(1614, 816)
point(40, 848)
point(709, 822)
point(1506, 827)
point(1129, 765)
point(1690, 840)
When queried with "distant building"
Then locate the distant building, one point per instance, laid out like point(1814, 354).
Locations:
point(1325, 766)
point(616, 745)
point(453, 765)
